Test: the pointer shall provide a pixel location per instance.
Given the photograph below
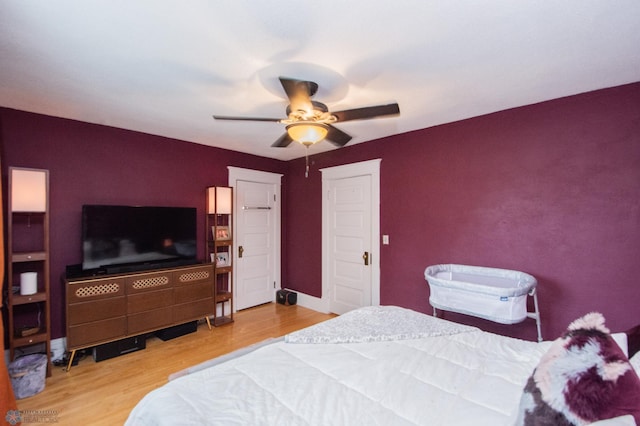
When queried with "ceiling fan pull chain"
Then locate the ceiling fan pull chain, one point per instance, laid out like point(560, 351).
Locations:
point(306, 157)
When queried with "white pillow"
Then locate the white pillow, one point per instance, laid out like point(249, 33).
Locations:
point(635, 363)
point(621, 340)
point(617, 421)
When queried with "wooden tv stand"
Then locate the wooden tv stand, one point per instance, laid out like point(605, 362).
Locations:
point(106, 308)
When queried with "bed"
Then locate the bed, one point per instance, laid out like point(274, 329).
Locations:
point(373, 366)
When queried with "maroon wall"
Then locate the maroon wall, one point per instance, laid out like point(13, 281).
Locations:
point(92, 164)
point(552, 189)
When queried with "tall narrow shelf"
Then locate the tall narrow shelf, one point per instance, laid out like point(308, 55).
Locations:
point(27, 253)
point(219, 246)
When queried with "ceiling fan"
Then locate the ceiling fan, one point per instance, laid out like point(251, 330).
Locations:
point(310, 121)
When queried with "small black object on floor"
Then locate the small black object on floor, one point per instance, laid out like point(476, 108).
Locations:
point(177, 331)
point(286, 297)
point(119, 347)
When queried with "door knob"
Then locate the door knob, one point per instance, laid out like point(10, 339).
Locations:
point(240, 251)
point(365, 257)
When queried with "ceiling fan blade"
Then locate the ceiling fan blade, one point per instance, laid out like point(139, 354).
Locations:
point(337, 136)
point(367, 112)
point(283, 141)
point(226, 117)
point(299, 93)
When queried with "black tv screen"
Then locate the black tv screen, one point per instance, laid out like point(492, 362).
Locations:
point(125, 238)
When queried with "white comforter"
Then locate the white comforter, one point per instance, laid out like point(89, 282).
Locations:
point(448, 375)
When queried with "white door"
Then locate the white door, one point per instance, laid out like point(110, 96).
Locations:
point(257, 243)
point(351, 228)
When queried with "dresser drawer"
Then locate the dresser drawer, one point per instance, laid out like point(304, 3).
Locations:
point(150, 320)
point(150, 300)
point(195, 275)
point(190, 311)
point(192, 293)
point(98, 289)
point(79, 313)
point(142, 283)
point(89, 334)
point(193, 284)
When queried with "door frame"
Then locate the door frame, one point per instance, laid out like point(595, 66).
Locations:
point(248, 175)
point(363, 168)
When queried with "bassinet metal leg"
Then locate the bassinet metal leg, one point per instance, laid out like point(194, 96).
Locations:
point(535, 315)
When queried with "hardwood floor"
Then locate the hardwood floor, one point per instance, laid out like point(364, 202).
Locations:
point(103, 393)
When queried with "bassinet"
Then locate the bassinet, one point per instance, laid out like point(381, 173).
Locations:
point(499, 295)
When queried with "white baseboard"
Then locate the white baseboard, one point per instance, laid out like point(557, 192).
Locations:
point(312, 302)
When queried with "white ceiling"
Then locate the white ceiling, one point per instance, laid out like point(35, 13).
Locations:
point(164, 67)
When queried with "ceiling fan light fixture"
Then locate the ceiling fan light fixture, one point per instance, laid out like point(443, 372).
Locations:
point(307, 133)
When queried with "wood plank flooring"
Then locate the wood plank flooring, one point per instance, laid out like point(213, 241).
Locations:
point(103, 393)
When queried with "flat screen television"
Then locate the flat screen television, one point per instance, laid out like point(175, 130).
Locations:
point(119, 239)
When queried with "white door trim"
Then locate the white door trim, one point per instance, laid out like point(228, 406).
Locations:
point(248, 175)
point(372, 168)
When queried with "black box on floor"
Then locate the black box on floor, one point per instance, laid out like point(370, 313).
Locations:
point(119, 347)
point(177, 330)
point(286, 297)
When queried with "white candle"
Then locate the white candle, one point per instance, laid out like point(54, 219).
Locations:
point(28, 283)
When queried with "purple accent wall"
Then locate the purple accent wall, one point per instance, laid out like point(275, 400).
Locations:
point(93, 164)
point(552, 189)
